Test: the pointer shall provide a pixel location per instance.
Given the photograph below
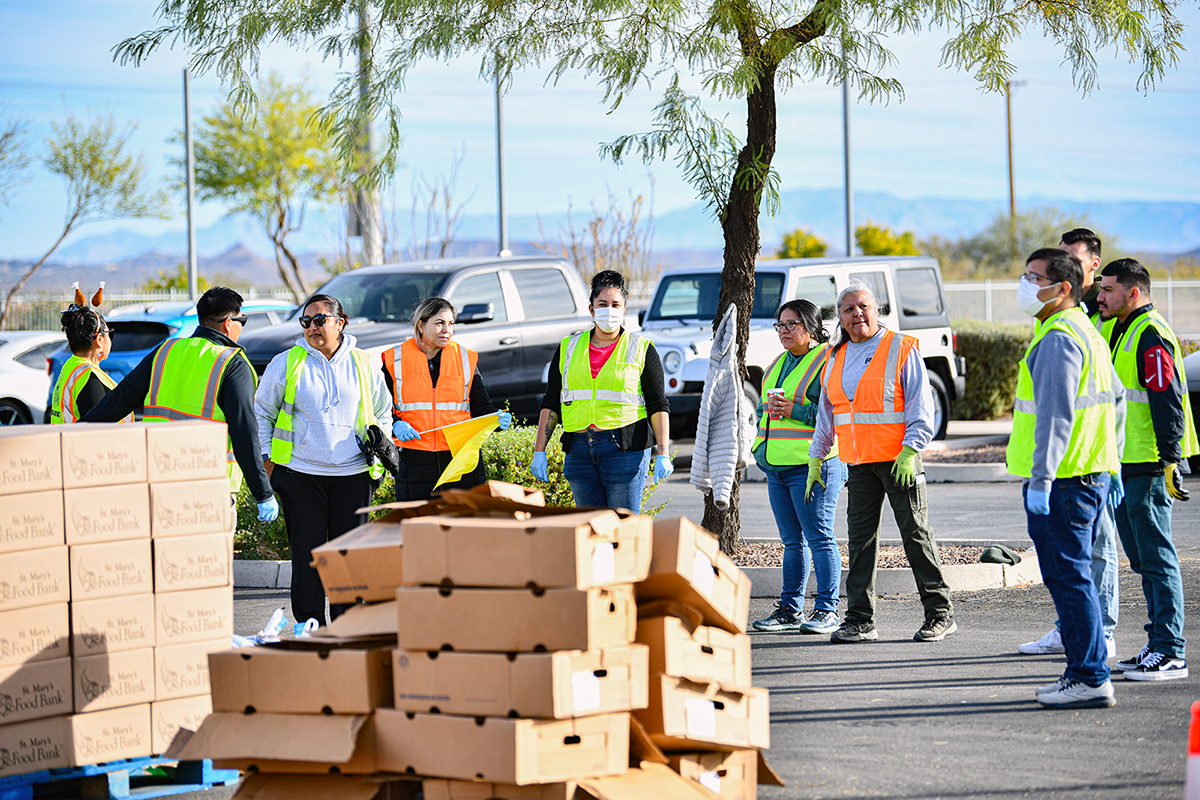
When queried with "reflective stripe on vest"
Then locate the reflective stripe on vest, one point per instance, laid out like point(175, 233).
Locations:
point(1141, 443)
point(1092, 447)
point(870, 428)
point(74, 375)
point(611, 400)
point(425, 406)
point(787, 439)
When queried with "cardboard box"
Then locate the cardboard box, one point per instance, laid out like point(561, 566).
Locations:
point(39, 633)
point(583, 550)
point(303, 677)
point(112, 624)
point(189, 450)
point(107, 513)
point(470, 790)
point(735, 775)
point(110, 735)
point(704, 654)
point(35, 578)
point(257, 786)
point(517, 751)
point(30, 459)
point(190, 508)
point(687, 716)
point(31, 520)
point(114, 679)
point(369, 619)
point(168, 716)
point(514, 620)
point(198, 615)
point(688, 566)
point(650, 780)
point(36, 690)
point(537, 685)
point(181, 670)
point(363, 564)
point(111, 569)
point(103, 454)
point(35, 746)
point(283, 743)
point(494, 490)
point(193, 562)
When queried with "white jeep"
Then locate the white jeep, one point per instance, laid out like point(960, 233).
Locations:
point(911, 300)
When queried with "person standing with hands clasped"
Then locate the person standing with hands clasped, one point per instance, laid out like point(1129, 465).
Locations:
point(1160, 435)
point(606, 385)
point(876, 399)
point(1068, 407)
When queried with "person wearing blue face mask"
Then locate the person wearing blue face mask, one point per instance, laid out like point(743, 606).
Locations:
point(606, 387)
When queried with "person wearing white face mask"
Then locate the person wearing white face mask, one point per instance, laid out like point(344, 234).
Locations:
point(606, 387)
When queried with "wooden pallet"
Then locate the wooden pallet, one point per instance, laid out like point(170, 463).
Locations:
point(130, 779)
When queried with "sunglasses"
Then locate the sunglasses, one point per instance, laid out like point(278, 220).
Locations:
point(788, 326)
point(108, 331)
point(317, 319)
point(242, 320)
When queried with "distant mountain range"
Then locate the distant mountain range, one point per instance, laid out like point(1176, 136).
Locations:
point(237, 245)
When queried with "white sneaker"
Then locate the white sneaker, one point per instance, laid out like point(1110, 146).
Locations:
point(1052, 687)
point(1074, 694)
point(1111, 645)
point(1050, 644)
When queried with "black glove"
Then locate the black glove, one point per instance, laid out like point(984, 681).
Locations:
point(379, 447)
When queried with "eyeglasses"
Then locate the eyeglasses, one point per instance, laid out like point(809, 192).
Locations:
point(108, 331)
point(1032, 277)
point(788, 326)
point(317, 319)
point(242, 320)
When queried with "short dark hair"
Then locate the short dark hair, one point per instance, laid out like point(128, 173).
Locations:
point(1061, 266)
point(810, 317)
point(1129, 272)
point(81, 323)
point(1088, 237)
point(607, 279)
point(218, 304)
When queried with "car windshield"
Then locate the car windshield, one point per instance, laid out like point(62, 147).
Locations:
point(382, 296)
point(695, 296)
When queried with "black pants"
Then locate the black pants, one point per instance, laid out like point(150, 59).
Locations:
point(420, 470)
point(317, 508)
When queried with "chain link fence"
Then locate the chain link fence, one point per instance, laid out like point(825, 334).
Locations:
point(41, 312)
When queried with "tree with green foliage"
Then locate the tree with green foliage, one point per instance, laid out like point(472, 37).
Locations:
point(879, 240)
point(14, 157)
point(747, 49)
point(174, 281)
point(801, 244)
point(271, 165)
point(104, 181)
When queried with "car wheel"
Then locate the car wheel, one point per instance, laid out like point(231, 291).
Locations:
point(13, 413)
point(941, 405)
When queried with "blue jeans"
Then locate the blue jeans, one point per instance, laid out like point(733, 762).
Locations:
point(808, 526)
point(1144, 523)
point(603, 475)
point(1104, 570)
point(1064, 540)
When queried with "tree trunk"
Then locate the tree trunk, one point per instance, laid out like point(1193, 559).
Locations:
point(740, 226)
point(13, 291)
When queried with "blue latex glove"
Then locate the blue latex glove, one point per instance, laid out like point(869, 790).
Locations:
point(1037, 503)
point(268, 510)
point(1116, 491)
point(662, 468)
point(539, 467)
point(505, 420)
point(403, 431)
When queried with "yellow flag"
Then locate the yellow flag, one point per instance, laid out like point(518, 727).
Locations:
point(465, 439)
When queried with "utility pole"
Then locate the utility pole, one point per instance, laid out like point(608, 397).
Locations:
point(846, 168)
point(190, 162)
point(1012, 191)
point(500, 210)
point(364, 210)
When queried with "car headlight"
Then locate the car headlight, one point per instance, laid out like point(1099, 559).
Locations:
point(672, 361)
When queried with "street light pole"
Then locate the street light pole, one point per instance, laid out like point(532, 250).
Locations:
point(500, 210)
point(1012, 191)
point(846, 168)
point(190, 162)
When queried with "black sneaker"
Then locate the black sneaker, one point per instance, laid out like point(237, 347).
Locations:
point(781, 619)
point(854, 630)
point(936, 629)
point(1158, 667)
point(1127, 664)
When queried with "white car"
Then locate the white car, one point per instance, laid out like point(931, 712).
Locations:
point(24, 381)
point(1191, 366)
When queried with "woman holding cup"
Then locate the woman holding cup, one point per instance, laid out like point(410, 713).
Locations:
point(792, 387)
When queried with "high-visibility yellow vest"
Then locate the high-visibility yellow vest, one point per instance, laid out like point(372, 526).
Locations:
point(1141, 446)
point(281, 438)
point(788, 439)
point(1092, 447)
point(184, 382)
point(64, 407)
point(613, 399)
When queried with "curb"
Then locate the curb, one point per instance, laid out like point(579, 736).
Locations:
point(969, 473)
point(262, 574)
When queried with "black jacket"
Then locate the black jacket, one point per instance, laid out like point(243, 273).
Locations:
point(235, 398)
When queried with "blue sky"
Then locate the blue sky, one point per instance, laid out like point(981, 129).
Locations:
point(946, 139)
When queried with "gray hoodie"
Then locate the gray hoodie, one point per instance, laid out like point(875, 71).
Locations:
point(326, 410)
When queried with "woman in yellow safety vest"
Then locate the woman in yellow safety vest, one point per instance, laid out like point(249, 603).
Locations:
point(81, 383)
point(314, 404)
point(606, 386)
point(434, 382)
point(792, 387)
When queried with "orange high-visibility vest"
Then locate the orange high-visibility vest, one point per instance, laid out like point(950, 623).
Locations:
point(870, 428)
point(418, 402)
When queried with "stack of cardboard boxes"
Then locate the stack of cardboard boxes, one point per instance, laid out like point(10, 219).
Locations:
point(117, 584)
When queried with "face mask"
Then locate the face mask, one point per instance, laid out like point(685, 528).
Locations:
point(610, 319)
point(1027, 297)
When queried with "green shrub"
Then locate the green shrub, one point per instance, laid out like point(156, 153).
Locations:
point(993, 351)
